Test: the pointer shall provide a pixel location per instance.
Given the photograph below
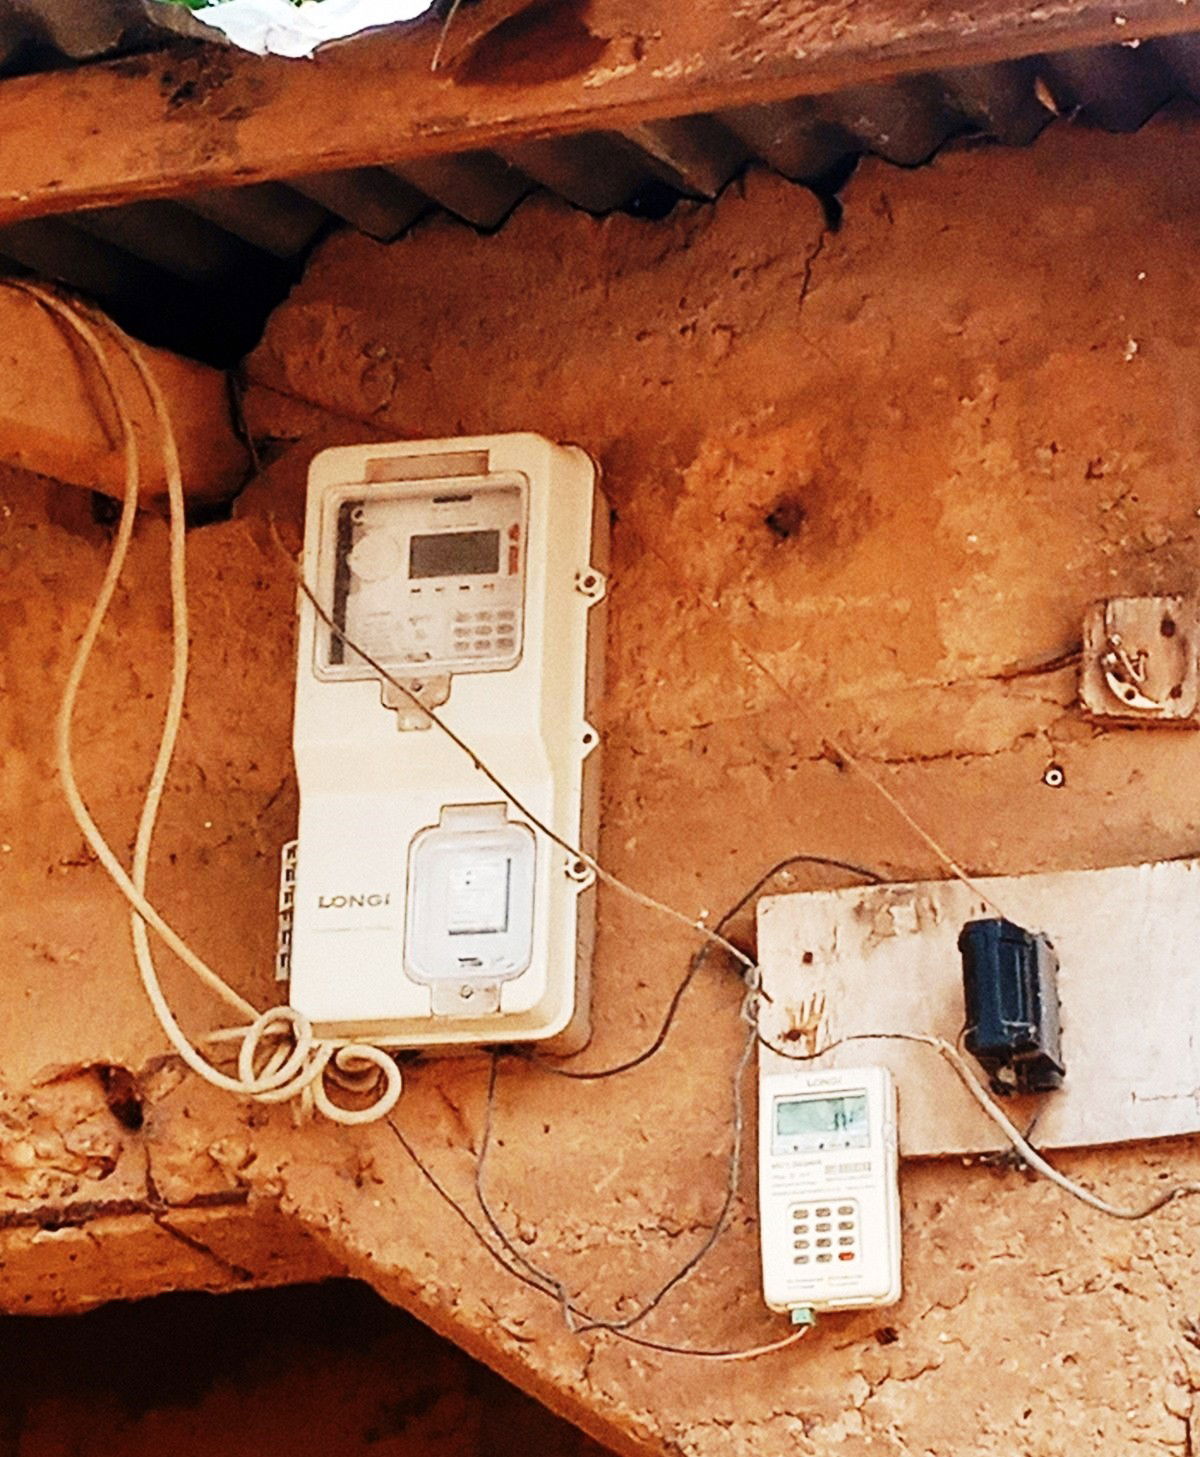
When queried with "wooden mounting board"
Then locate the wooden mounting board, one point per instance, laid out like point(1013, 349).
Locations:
point(886, 958)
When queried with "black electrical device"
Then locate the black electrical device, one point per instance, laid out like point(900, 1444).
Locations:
point(1010, 986)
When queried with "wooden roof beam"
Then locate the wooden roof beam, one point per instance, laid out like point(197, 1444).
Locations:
point(206, 117)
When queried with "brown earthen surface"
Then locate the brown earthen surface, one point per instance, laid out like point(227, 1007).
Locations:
point(857, 475)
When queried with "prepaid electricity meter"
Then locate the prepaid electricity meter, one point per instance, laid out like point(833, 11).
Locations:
point(419, 906)
point(829, 1199)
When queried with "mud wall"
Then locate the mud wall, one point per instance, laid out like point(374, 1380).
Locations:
point(861, 479)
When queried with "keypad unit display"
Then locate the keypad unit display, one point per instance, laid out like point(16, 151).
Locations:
point(828, 1187)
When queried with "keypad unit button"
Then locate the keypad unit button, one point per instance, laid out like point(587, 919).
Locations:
point(845, 1224)
point(800, 1244)
point(799, 1213)
point(505, 644)
point(846, 1255)
point(800, 1260)
point(824, 1225)
point(846, 1239)
point(821, 1213)
point(823, 1244)
point(824, 1259)
point(845, 1208)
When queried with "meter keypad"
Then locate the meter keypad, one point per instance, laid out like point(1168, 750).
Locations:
point(484, 633)
point(820, 1220)
point(800, 1229)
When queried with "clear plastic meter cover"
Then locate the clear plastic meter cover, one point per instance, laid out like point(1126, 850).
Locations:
point(426, 577)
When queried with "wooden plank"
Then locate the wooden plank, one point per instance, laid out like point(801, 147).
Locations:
point(50, 393)
point(207, 117)
point(885, 958)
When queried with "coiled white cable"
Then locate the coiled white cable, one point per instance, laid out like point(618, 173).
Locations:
point(279, 1057)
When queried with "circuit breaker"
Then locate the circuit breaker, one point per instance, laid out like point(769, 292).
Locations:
point(462, 579)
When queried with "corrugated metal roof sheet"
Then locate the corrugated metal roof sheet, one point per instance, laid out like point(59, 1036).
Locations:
point(160, 266)
point(35, 34)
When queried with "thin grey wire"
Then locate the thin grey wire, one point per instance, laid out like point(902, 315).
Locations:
point(696, 962)
point(517, 1274)
point(554, 1285)
point(648, 902)
point(569, 1308)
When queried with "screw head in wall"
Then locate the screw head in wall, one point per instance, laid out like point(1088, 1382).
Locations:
point(1054, 776)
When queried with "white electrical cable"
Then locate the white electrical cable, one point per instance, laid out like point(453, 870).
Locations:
point(285, 1073)
point(1030, 1154)
point(296, 1063)
point(962, 1070)
point(749, 1353)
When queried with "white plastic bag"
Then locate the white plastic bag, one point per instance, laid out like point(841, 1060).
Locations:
point(279, 28)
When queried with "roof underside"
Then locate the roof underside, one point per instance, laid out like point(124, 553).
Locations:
point(200, 272)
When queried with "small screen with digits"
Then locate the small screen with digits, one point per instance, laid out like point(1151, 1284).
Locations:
point(830, 1122)
point(455, 554)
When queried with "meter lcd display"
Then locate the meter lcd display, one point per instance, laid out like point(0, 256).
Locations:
point(455, 554)
point(821, 1123)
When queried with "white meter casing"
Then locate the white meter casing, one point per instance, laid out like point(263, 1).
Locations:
point(419, 907)
point(828, 1190)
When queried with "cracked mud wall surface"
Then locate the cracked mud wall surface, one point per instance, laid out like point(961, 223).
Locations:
point(859, 478)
